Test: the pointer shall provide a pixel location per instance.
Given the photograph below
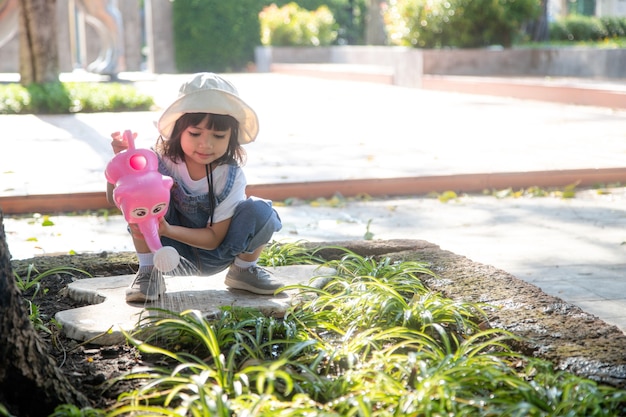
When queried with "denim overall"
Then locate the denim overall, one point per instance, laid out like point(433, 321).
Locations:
point(252, 225)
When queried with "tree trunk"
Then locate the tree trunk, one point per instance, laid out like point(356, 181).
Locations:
point(539, 29)
point(374, 24)
point(30, 382)
point(39, 54)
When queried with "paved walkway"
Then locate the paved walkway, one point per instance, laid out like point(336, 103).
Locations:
point(323, 130)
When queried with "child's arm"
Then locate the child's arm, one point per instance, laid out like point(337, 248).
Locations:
point(110, 188)
point(208, 238)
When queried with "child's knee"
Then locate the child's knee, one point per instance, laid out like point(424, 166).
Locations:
point(256, 208)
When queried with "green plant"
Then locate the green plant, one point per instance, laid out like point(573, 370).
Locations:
point(100, 97)
point(29, 281)
point(48, 98)
point(457, 23)
point(374, 341)
point(292, 25)
point(3, 411)
point(615, 26)
point(349, 15)
point(64, 98)
point(35, 317)
point(68, 410)
point(579, 28)
point(287, 253)
point(369, 235)
point(215, 35)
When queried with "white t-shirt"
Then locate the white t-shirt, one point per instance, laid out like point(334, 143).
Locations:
point(226, 208)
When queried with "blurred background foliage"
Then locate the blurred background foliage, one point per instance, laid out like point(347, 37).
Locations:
point(220, 36)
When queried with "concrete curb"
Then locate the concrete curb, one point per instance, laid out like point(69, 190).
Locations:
point(375, 187)
point(542, 90)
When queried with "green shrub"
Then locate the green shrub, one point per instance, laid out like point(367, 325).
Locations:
point(349, 15)
point(220, 36)
point(15, 99)
point(615, 26)
point(215, 35)
point(457, 23)
point(64, 98)
point(584, 28)
point(578, 28)
point(90, 98)
point(48, 98)
point(558, 31)
point(292, 25)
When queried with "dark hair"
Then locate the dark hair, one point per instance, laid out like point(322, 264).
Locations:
point(172, 149)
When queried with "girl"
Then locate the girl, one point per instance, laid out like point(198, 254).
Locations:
point(210, 222)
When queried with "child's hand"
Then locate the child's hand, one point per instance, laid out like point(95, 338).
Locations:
point(135, 232)
point(119, 143)
point(163, 227)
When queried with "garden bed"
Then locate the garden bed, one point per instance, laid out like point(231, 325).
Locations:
point(548, 327)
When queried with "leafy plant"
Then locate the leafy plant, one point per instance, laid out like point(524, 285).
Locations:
point(368, 233)
point(103, 97)
point(577, 28)
point(287, 253)
point(35, 317)
point(292, 25)
point(374, 341)
point(68, 410)
point(215, 35)
point(33, 281)
point(350, 17)
point(457, 23)
point(3, 411)
point(64, 98)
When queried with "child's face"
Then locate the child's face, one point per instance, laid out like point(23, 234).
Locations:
point(202, 145)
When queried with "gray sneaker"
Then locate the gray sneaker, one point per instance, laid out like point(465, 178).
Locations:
point(254, 279)
point(146, 287)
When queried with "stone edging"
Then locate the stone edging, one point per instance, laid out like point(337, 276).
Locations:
point(375, 187)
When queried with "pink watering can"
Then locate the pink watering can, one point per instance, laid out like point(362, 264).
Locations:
point(143, 195)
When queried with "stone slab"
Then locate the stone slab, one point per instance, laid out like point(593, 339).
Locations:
point(108, 314)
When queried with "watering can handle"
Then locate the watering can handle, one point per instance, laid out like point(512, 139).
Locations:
point(128, 135)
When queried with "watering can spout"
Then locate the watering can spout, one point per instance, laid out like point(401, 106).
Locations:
point(150, 231)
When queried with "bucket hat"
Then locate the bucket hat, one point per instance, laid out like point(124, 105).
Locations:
point(209, 93)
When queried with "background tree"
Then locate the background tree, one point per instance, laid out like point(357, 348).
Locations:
point(374, 25)
point(538, 28)
point(39, 55)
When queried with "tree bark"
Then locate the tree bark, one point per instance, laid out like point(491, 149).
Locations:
point(39, 54)
point(30, 382)
point(374, 25)
point(539, 29)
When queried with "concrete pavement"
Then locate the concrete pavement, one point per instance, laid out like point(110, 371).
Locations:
point(323, 130)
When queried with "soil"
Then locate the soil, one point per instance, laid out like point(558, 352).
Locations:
point(86, 366)
point(549, 327)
